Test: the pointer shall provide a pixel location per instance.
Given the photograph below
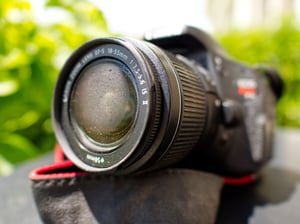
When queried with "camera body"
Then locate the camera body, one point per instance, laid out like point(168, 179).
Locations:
point(224, 124)
point(241, 141)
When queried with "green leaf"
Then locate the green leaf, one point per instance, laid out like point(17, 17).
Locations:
point(15, 148)
point(8, 87)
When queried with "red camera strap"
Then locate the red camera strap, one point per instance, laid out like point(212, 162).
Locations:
point(62, 164)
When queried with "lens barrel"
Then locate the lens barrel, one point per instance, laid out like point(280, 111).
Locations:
point(122, 106)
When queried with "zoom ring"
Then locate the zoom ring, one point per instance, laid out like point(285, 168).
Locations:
point(194, 113)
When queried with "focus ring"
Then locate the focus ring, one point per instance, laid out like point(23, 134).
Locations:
point(153, 122)
point(154, 119)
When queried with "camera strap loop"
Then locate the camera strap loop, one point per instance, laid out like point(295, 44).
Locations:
point(240, 181)
point(59, 155)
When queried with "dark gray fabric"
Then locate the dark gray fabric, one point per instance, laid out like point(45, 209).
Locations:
point(166, 196)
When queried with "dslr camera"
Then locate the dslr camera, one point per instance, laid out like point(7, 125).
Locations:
point(176, 99)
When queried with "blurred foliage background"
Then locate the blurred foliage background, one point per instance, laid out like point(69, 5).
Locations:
point(32, 52)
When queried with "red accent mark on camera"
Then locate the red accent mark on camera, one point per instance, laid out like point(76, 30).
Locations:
point(249, 91)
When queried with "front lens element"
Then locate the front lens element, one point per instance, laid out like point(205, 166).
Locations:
point(104, 102)
point(124, 106)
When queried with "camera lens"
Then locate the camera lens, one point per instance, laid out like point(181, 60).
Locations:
point(123, 106)
point(103, 102)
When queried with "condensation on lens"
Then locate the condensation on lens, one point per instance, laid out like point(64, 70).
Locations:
point(103, 102)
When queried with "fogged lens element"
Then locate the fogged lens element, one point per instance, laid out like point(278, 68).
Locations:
point(103, 102)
